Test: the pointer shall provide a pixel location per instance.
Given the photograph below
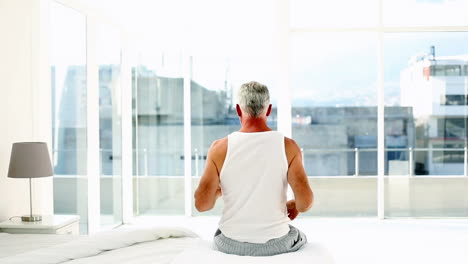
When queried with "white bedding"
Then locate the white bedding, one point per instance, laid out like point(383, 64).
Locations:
point(14, 244)
point(149, 245)
point(310, 253)
point(144, 246)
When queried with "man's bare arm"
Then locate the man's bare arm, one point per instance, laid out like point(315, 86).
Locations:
point(297, 177)
point(208, 190)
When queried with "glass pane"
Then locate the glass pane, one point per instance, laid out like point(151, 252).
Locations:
point(425, 13)
point(424, 80)
point(69, 126)
point(158, 115)
point(110, 130)
point(213, 109)
point(334, 117)
point(333, 13)
point(215, 82)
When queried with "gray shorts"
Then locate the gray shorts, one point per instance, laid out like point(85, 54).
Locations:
point(290, 242)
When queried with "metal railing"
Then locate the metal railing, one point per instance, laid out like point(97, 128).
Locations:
point(410, 151)
point(357, 157)
point(144, 153)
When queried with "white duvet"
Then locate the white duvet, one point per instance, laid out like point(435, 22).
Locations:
point(149, 245)
point(14, 244)
point(155, 246)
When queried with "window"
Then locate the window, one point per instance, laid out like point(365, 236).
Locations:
point(213, 108)
point(453, 99)
point(453, 155)
point(344, 68)
point(69, 114)
point(333, 13)
point(213, 112)
point(436, 135)
point(438, 70)
point(341, 60)
point(414, 13)
point(452, 70)
point(450, 128)
point(158, 129)
point(334, 117)
point(108, 51)
point(445, 70)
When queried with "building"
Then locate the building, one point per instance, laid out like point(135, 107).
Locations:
point(159, 135)
point(436, 88)
point(329, 136)
point(69, 125)
point(332, 136)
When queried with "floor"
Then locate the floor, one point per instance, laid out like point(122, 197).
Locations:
point(358, 240)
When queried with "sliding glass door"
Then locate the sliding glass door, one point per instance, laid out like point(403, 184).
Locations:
point(108, 57)
point(158, 133)
point(426, 78)
point(334, 119)
point(69, 111)
point(373, 98)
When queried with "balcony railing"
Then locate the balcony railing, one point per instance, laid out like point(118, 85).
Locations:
point(143, 156)
point(164, 194)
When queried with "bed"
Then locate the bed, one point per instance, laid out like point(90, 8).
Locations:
point(159, 245)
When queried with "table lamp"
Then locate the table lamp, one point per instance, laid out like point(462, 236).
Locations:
point(30, 160)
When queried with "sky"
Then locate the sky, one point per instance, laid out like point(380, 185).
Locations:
point(328, 69)
point(398, 46)
point(340, 69)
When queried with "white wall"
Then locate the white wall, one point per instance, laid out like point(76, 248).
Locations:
point(24, 100)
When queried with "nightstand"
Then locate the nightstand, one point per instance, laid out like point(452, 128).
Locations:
point(50, 224)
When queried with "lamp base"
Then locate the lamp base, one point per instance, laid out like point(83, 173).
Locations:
point(31, 218)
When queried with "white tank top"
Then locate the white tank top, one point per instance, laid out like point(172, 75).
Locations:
point(254, 184)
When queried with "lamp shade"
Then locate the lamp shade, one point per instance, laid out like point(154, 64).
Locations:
point(30, 160)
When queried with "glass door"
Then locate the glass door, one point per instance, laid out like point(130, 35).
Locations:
point(158, 133)
point(69, 114)
point(108, 57)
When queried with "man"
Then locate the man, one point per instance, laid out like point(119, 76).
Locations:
point(251, 169)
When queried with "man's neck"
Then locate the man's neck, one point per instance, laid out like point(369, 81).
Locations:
point(254, 125)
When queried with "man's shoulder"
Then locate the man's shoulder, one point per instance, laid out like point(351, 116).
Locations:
point(218, 143)
point(291, 148)
point(290, 144)
point(218, 151)
point(219, 146)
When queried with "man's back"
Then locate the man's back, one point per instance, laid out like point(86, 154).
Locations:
point(253, 167)
point(254, 182)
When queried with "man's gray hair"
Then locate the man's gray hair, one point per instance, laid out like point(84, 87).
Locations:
point(253, 98)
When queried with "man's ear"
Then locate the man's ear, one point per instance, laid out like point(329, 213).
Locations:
point(269, 110)
point(239, 111)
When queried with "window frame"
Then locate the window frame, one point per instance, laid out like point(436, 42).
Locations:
point(284, 105)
